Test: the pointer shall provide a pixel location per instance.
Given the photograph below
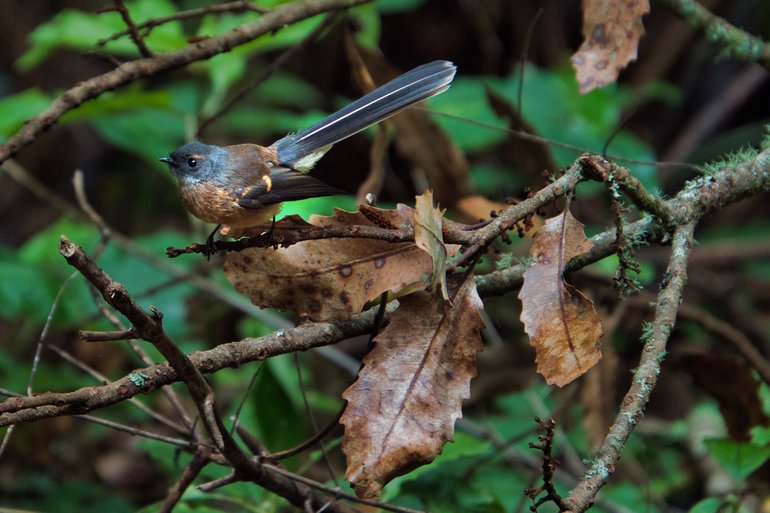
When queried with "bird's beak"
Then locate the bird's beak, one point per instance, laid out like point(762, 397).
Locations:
point(167, 160)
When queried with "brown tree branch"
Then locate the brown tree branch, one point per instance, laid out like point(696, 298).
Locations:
point(51, 404)
point(699, 198)
point(149, 327)
point(201, 458)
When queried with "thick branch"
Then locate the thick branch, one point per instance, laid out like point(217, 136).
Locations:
point(149, 327)
point(25, 409)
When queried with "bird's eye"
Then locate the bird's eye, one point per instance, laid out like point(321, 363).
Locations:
point(192, 162)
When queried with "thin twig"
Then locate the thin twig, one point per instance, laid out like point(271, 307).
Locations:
point(729, 332)
point(149, 327)
point(310, 442)
point(340, 495)
point(107, 235)
point(44, 333)
point(106, 336)
point(147, 26)
point(138, 40)
point(200, 459)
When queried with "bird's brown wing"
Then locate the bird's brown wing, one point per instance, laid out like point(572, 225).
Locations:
point(284, 184)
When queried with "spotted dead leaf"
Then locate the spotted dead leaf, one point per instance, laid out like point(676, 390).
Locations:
point(562, 324)
point(612, 29)
point(331, 278)
point(429, 238)
point(402, 409)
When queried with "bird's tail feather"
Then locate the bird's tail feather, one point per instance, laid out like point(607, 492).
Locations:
point(301, 150)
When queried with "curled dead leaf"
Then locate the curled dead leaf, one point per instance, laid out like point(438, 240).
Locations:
point(561, 322)
point(429, 238)
point(402, 409)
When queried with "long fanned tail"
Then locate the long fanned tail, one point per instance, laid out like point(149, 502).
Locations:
point(301, 150)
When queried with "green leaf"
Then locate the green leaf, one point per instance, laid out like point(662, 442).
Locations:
point(320, 206)
point(79, 30)
point(451, 487)
point(228, 68)
point(147, 132)
point(277, 416)
point(625, 492)
point(552, 104)
point(24, 291)
point(462, 448)
point(740, 459)
point(728, 504)
point(127, 100)
point(710, 505)
point(398, 6)
point(466, 98)
point(18, 108)
point(368, 23)
point(40, 492)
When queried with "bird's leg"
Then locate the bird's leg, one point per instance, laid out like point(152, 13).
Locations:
point(270, 238)
point(211, 244)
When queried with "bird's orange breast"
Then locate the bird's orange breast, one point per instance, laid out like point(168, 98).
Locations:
point(218, 206)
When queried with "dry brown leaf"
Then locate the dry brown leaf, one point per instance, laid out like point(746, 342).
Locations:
point(612, 29)
point(402, 409)
point(330, 278)
point(562, 324)
point(429, 238)
point(478, 207)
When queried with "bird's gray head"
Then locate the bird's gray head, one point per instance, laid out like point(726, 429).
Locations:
point(196, 162)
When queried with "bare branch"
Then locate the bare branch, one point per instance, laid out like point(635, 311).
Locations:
point(149, 327)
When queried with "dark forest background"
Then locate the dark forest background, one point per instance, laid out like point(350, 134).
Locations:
point(686, 99)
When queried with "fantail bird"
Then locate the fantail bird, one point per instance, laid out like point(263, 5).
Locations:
point(243, 185)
